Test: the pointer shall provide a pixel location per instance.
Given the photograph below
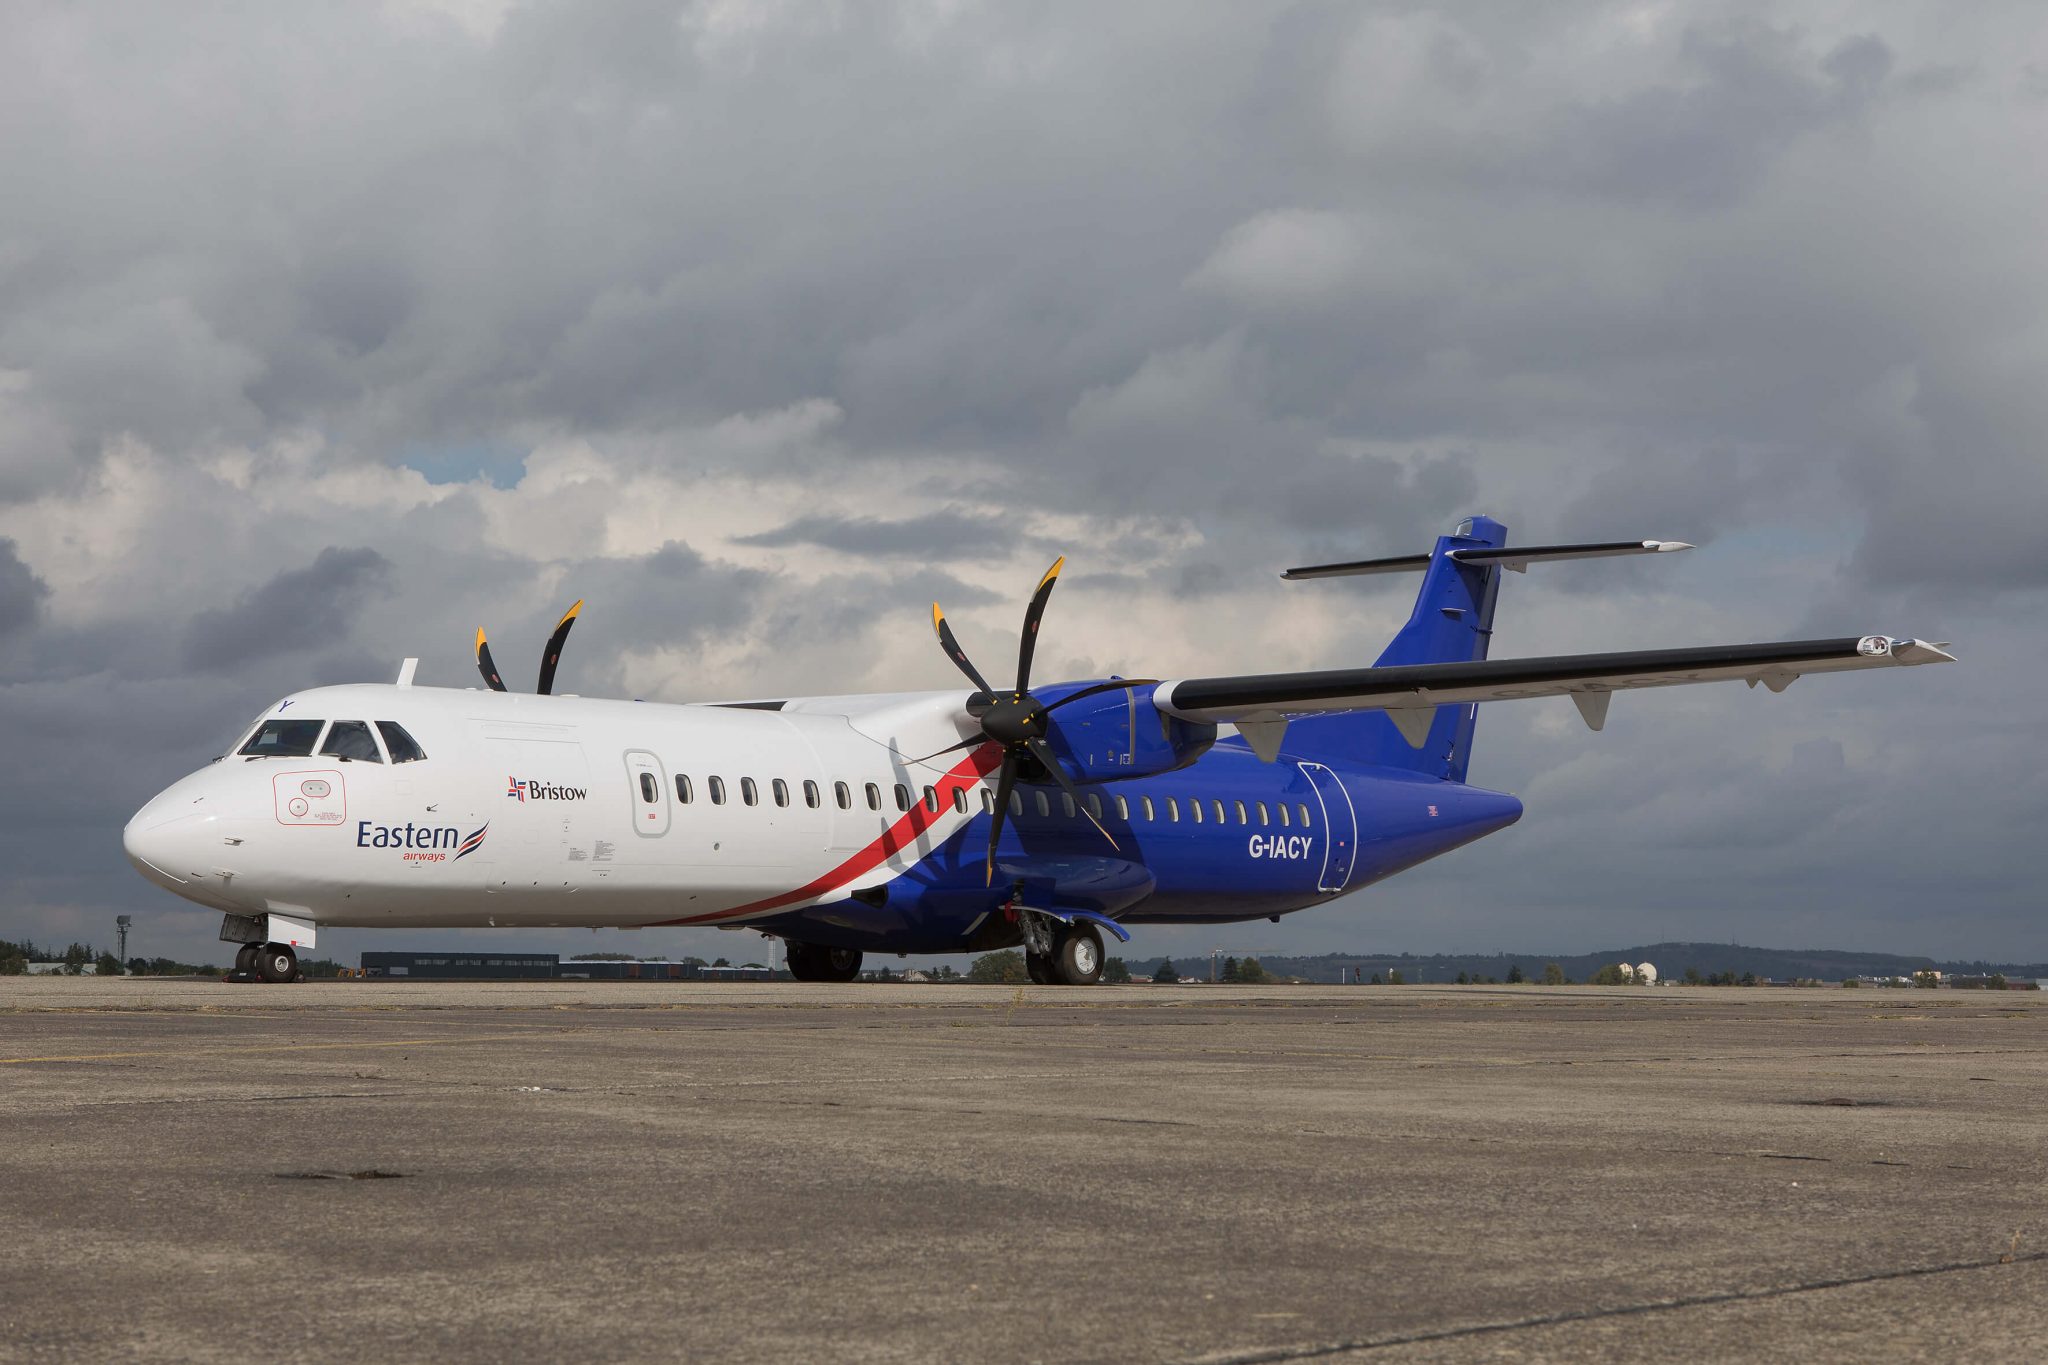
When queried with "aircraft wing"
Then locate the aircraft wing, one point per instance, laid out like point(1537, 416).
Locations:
point(1410, 693)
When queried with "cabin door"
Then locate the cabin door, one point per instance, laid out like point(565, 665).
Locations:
point(1340, 826)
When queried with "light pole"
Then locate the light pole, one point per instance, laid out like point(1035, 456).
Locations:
point(121, 923)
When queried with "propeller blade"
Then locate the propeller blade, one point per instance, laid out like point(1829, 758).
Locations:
point(552, 655)
point(484, 664)
point(954, 652)
point(1117, 686)
point(1029, 641)
point(1005, 780)
point(1042, 751)
point(974, 743)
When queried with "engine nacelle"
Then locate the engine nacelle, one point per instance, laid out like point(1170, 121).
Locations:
point(1120, 734)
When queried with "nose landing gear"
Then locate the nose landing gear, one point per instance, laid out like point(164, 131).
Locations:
point(276, 963)
point(258, 960)
point(271, 963)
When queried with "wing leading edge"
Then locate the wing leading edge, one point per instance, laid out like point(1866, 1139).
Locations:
point(1410, 693)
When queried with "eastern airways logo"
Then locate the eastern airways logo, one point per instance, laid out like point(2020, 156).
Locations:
point(524, 789)
point(421, 843)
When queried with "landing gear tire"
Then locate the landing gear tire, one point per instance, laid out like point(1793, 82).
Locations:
point(276, 963)
point(816, 962)
point(1077, 957)
point(245, 957)
point(1038, 968)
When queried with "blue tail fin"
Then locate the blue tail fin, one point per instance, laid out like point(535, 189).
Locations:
point(1452, 623)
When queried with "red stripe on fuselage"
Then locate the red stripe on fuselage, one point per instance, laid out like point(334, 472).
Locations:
point(896, 838)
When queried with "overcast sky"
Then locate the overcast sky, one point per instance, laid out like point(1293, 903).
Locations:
point(329, 332)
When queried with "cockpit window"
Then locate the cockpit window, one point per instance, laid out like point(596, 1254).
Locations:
point(404, 748)
point(283, 739)
point(351, 740)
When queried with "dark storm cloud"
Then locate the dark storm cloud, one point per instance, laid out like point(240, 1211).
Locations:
point(21, 592)
point(299, 609)
point(1734, 100)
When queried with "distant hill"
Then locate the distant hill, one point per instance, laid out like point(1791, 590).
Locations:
point(1671, 960)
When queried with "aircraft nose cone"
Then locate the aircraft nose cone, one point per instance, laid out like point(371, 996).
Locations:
point(152, 845)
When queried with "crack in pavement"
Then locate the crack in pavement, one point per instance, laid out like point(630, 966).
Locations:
point(1282, 1354)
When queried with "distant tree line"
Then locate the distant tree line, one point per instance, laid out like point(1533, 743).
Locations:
point(82, 959)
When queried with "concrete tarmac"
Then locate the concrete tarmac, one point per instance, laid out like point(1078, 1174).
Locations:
point(612, 1171)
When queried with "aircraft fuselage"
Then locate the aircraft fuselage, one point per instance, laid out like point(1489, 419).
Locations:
point(813, 821)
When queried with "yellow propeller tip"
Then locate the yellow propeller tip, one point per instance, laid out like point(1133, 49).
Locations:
point(1054, 571)
point(479, 637)
point(570, 614)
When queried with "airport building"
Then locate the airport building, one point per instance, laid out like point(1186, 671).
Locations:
point(462, 966)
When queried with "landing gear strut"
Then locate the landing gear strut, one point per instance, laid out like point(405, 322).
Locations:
point(816, 962)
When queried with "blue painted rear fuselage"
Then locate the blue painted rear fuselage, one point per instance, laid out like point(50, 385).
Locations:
point(1229, 837)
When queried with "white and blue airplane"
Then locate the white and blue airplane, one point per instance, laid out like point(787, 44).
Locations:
point(931, 822)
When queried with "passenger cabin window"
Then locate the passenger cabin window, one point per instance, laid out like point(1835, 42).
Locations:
point(1263, 818)
point(1016, 803)
point(749, 793)
point(717, 786)
point(842, 796)
point(1217, 806)
point(959, 800)
point(988, 802)
point(874, 797)
point(351, 742)
point(403, 747)
point(1123, 809)
point(1095, 805)
point(781, 790)
point(902, 797)
point(281, 738)
point(1302, 811)
point(1284, 821)
point(931, 800)
point(683, 792)
point(1146, 801)
point(1173, 810)
point(1044, 807)
point(649, 792)
point(1195, 809)
point(1242, 818)
point(1067, 805)
point(811, 797)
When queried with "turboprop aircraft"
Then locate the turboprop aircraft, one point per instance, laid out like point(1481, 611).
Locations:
point(1045, 815)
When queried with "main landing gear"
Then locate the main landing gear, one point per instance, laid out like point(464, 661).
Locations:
point(274, 963)
point(816, 962)
point(1058, 954)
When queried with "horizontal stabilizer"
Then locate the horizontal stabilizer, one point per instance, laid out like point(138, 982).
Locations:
point(1515, 557)
point(1405, 692)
